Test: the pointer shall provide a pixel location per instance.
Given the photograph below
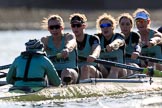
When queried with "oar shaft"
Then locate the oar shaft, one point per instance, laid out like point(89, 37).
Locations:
point(151, 71)
point(156, 60)
point(146, 58)
point(120, 65)
point(3, 74)
point(116, 64)
point(5, 66)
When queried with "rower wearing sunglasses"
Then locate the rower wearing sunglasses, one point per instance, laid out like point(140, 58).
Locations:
point(150, 39)
point(62, 46)
point(112, 45)
point(88, 46)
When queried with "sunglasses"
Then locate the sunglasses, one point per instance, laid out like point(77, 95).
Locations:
point(52, 27)
point(105, 25)
point(141, 21)
point(76, 25)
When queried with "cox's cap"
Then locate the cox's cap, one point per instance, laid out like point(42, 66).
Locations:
point(77, 19)
point(160, 29)
point(34, 44)
point(142, 15)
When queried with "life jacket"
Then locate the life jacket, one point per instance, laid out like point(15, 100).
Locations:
point(28, 55)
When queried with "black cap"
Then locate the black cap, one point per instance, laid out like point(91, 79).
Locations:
point(160, 29)
point(33, 44)
point(77, 19)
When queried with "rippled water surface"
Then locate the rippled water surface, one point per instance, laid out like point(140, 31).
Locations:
point(152, 100)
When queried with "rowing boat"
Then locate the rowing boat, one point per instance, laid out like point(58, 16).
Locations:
point(87, 88)
point(92, 87)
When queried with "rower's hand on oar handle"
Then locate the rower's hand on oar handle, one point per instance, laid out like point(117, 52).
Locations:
point(151, 43)
point(91, 58)
point(65, 53)
point(112, 46)
point(108, 48)
point(134, 55)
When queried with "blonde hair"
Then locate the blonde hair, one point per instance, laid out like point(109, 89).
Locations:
point(102, 17)
point(45, 21)
point(82, 16)
point(126, 15)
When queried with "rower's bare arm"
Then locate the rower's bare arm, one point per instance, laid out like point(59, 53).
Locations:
point(157, 39)
point(96, 49)
point(95, 53)
point(70, 42)
point(44, 40)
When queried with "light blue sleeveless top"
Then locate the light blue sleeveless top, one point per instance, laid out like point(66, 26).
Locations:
point(116, 55)
point(154, 51)
point(129, 50)
point(61, 63)
point(86, 51)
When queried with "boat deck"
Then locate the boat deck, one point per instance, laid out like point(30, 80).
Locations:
point(88, 89)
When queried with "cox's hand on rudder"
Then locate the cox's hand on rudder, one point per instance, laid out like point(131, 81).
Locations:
point(65, 53)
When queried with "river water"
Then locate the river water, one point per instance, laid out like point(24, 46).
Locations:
point(12, 44)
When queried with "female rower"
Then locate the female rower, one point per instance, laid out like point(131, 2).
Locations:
point(63, 47)
point(132, 40)
point(150, 39)
point(88, 46)
point(112, 45)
